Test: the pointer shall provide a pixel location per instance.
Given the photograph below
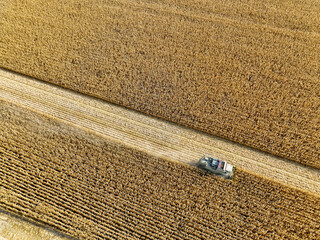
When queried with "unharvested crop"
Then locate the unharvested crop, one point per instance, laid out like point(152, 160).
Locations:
point(92, 188)
point(244, 70)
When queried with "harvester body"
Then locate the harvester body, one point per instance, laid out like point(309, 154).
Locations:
point(216, 166)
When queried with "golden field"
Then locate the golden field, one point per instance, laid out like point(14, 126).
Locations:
point(247, 71)
point(90, 187)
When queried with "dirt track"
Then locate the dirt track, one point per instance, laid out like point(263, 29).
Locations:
point(148, 134)
point(88, 186)
point(14, 228)
point(244, 70)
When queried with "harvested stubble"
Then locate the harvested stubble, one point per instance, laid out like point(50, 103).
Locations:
point(14, 228)
point(92, 188)
point(247, 70)
point(151, 135)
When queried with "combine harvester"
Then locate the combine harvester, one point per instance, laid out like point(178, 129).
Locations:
point(218, 167)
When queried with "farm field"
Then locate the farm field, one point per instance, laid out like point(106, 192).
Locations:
point(145, 133)
point(88, 187)
point(247, 71)
point(107, 106)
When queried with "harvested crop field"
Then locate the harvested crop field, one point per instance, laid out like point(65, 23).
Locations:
point(92, 188)
point(149, 134)
point(247, 70)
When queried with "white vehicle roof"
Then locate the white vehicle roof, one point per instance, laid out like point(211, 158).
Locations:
point(229, 167)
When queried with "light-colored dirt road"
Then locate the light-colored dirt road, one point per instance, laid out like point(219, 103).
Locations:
point(13, 228)
point(152, 135)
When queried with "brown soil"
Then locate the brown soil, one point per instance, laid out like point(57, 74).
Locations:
point(92, 188)
point(244, 70)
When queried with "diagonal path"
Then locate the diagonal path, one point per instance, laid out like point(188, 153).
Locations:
point(149, 134)
point(12, 227)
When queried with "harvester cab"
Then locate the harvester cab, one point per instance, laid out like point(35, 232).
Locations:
point(216, 166)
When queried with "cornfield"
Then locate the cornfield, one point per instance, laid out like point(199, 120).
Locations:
point(91, 188)
point(246, 71)
point(243, 70)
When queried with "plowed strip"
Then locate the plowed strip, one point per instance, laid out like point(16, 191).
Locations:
point(13, 228)
point(148, 134)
